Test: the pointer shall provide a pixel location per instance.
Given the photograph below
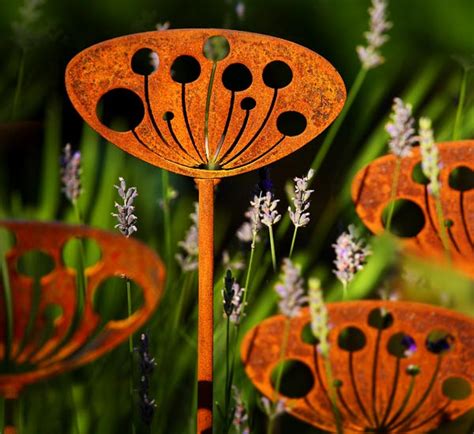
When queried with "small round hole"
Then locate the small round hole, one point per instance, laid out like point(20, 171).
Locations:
point(307, 335)
point(145, 61)
point(291, 123)
point(277, 74)
point(439, 342)
point(456, 388)
point(297, 379)
point(462, 179)
point(120, 110)
point(168, 116)
point(401, 345)
point(237, 77)
point(79, 252)
point(418, 176)
point(35, 264)
point(351, 339)
point(248, 103)
point(185, 69)
point(407, 220)
point(216, 48)
point(110, 299)
point(380, 319)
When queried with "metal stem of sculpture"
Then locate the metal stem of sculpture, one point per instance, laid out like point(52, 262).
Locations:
point(206, 104)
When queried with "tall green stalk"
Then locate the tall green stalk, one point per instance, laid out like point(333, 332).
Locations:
point(442, 226)
point(166, 214)
point(393, 192)
point(272, 247)
point(462, 97)
point(293, 239)
point(332, 394)
point(19, 85)
point(130, 350)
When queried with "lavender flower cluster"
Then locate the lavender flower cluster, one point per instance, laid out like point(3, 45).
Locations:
point(188, 260)
point(290, 290)
point(232, 295)
point(71, 174)
point(319, 316)
point(400, 129)
point(430, 164)
point(300, 215)
point(125, 215)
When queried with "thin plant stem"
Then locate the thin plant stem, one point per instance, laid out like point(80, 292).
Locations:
point(393, 192)
point(74, 406)
point(442, 227)
point(19, 84)
point(130, 350)
point(283, 348)
point(272, 247)
point(333, 394)
point(462, 97)
point(344, 291)
point(329, 139)
point(293, 241)
point(166, 214)
point(188, 279)
point(247, 277)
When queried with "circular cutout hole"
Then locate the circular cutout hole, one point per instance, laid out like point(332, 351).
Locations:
point(78, 252)
point(418, 176)
point(297, 380)
point(168, 116)
point(237, 77)
point(439, 342)
point(277, 74)
point(380, 318)
point(120, 110)
point(407, 220)
point(248, 103)
point(462, 179)
point(35, 264)
point(456, 388)
point(291, 123)
point(401, 345)
point(351, 339)
point(110, 299)
point(185, 69)
point(307, 335)
point(216, 48)
point(145, 61)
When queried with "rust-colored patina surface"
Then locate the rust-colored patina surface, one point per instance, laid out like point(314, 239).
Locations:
point(72, 341)
point(208, 114)
point(371, 192)
point(378, 390)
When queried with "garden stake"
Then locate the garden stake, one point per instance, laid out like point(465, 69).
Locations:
point(60, 345)
point(207, 104)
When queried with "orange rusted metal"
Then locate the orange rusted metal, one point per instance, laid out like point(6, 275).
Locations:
point(373, 393)
point(371, 193)
point(228, 114)
point(69, 345)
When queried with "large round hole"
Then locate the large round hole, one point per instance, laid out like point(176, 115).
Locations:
point(462, 179)
point(296, 379)
point(120, 110)
point(351, 339)
point(407, 220)
point(291, 123)
point(248, 103)
point(216, 48)
point(456, 388)
point(35, 264)
point(418, 176)
point(277, 74)
point(401, 345)
point(81, 252)
point(185, 69)
point(307, 335)
point(145, 61)
point(380, 318)
point(439, 342)
point(110, 299)
point(237, 77)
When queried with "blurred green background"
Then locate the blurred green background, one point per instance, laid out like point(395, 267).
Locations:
point(420, 67)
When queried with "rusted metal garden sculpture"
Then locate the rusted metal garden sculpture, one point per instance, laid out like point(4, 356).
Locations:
point(39, 345)
point(371, 193)
point(206, 104)
point(398, 367)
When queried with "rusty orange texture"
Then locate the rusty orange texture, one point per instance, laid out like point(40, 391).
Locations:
point(377, 386)
point(259, 102)
point(371, 193)
point(69, 345)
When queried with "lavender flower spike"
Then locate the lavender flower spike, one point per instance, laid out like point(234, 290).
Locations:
point(126, 219)
point(290, 290)
point(370, 56)
point(233, 296)
point(430, 163)
point(300, 216)
point(240, 420)
point(249, 229)
point(190, 245)
point(319, 316)
point(351, 254)
point(71, 174)
point(268, 213)
point(400, 128)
